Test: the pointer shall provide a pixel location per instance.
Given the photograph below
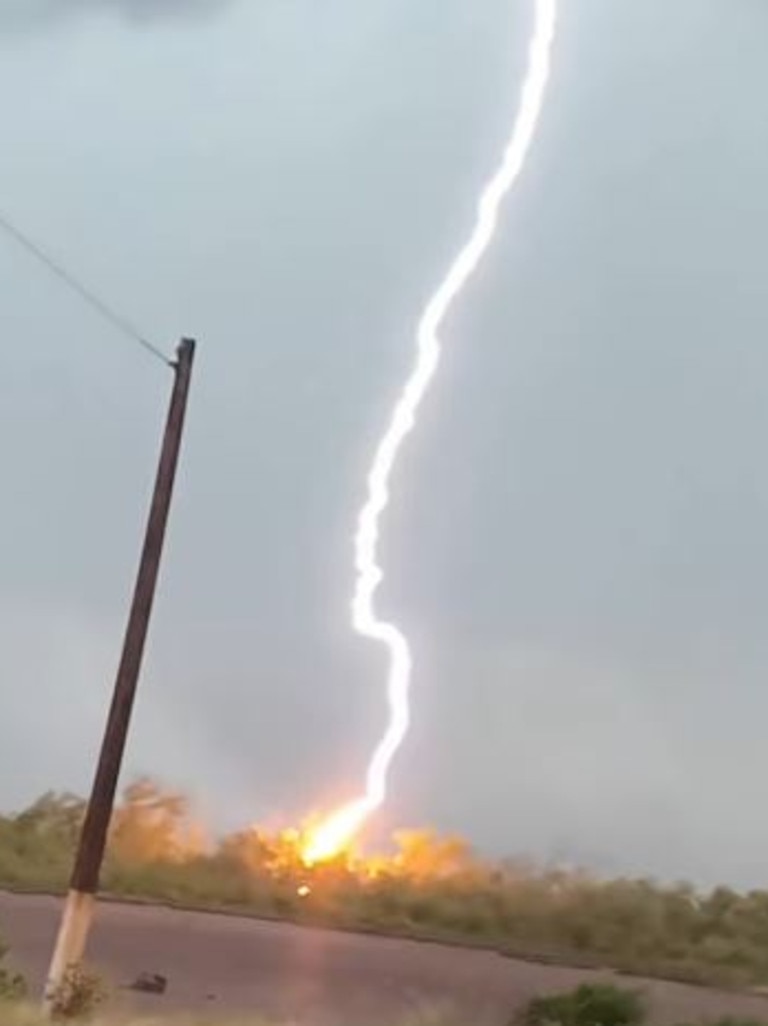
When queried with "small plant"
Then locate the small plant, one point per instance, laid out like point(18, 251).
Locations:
point(591, 1004)
point(13, 986)
point(79, 995)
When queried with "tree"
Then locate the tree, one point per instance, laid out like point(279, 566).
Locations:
point(54, 820)
point(423, 855)
point(152, 825)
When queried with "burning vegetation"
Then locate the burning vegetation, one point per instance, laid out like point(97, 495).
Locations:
point(427, 886)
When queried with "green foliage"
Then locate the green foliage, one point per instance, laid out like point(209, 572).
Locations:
point(592, 1004)
point(39, 843)
point(22, 1015)
point(152, 825)
point(27, 1015)
point(80, 994)
point(727, 1021)
point(431, 887)
point(13, 986)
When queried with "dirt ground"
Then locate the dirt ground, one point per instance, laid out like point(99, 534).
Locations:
point(317, 977)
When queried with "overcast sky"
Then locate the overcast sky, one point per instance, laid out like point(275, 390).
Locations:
point(579, 538)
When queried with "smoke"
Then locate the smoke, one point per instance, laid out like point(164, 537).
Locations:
point(20, 15)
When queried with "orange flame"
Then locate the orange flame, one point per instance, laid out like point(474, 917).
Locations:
point(334, 835)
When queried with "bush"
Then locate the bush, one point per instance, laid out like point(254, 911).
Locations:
point(592, 1004)
point(79, 995)
point(13, 986)
point(429, 886)
point(727, 1021)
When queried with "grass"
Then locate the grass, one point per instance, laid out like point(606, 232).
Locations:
point(29, 1016)
point(595, 1004)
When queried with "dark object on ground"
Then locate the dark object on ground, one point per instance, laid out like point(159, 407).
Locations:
point(591, 1004)
point(150, 983)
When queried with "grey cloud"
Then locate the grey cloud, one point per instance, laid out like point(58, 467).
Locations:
point(25, 14)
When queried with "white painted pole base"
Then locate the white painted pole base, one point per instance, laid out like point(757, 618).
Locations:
point(70, 943)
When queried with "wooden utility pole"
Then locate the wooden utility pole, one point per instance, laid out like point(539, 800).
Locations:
point(84, 885)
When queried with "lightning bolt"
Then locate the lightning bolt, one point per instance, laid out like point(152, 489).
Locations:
point(339, 829)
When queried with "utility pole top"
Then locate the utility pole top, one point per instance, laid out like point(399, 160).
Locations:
point(185, 350)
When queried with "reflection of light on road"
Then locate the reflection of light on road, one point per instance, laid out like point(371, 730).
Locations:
point(334, 835)
point(304, 891)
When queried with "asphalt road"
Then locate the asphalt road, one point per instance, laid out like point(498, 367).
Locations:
point(316, 977)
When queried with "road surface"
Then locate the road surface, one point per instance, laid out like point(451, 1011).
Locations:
point(316, 977)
